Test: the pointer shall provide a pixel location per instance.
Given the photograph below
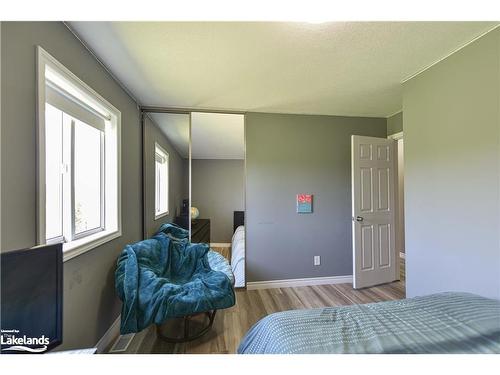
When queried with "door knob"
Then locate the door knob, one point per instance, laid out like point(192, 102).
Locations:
point(359, 218)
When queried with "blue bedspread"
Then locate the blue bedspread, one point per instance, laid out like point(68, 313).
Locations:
point(166, 277)
point(439, 323)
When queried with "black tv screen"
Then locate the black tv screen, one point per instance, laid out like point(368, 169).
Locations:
point(31, 299)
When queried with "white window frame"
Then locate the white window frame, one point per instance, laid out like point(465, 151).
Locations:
point(112, 181)
point(167, 162)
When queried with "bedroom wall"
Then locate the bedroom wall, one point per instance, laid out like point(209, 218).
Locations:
point(452, 160)
point(395, 123)
point(90, 303)
point(178, 188)
point(218, 189)
point(290, 154)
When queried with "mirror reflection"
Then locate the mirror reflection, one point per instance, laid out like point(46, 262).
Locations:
point(218, 186)
point(166, 170)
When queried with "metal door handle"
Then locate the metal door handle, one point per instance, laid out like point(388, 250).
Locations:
point(359, 218)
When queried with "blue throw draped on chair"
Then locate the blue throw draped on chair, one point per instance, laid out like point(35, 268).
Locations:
point(167, 277)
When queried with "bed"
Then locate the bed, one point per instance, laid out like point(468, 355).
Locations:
point(238, 249)
point(438, 323)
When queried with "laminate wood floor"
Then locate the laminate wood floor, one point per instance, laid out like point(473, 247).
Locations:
point(225, 251)
point(230, 325)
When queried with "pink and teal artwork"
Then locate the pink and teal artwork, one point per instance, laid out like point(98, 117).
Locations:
point(304, 203)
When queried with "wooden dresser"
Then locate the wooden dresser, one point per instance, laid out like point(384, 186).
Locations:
point(200, 228)
point(200, 231)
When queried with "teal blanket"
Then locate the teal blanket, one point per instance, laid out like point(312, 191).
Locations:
point(166, 277)
point(438, 323)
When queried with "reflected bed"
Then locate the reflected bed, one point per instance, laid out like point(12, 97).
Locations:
point(238, 249)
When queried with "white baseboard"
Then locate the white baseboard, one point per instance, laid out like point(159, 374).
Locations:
point(402, 255)
point(109, 337)
point(220, 244)
point(299, 282)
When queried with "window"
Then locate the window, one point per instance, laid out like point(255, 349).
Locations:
point(79, 174)
point(74, 174)
point(161, 182)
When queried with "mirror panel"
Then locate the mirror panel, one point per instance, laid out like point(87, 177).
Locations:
point(166, 170)
point(218, 185)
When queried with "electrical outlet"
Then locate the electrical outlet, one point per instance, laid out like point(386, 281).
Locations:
point(317, 260)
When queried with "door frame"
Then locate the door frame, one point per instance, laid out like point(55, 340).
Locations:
point(396, 137)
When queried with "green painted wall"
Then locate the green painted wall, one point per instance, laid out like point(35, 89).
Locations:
point(90, 301)
point(452, 161)
point(395, 123)
point(291, 154)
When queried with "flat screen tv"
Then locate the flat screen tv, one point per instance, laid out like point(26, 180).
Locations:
point(31, 299)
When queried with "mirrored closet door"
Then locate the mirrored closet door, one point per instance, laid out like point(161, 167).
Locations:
point(166, 170)
point(218, 186)
point(197, 157)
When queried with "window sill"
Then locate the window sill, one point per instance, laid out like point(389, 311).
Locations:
point(161, 215)
point(74, 248)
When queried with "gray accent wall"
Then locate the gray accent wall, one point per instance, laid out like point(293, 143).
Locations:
point(178, 188)
point(395, 123)
point(291, 154)
point(90, 302)
point(217, 190)
point(452, 175)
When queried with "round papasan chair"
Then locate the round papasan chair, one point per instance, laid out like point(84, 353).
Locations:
point(167, 277)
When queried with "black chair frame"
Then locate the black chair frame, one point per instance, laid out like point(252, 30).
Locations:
point(187, 337)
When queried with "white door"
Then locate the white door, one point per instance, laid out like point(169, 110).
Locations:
point(373, 213)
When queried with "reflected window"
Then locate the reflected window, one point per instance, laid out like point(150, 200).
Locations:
point(161, 181)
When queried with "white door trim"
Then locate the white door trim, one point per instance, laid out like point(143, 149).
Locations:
point(396, 136)
point(397, 198)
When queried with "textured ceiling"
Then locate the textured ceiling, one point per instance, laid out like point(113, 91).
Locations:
point(217, 136)
point(352, 68)
point(175, 126)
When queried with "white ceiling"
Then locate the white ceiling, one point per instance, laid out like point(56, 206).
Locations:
point(217, 136)
point(352, 68)
point(175, 126)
